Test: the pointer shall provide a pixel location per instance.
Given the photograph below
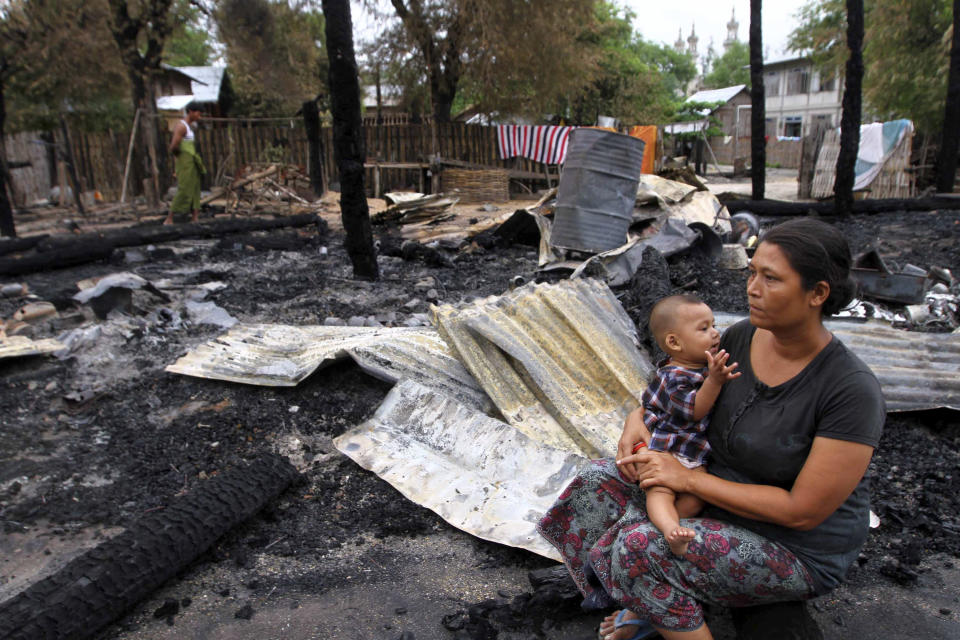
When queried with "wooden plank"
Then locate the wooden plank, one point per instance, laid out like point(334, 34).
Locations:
point(519, 174)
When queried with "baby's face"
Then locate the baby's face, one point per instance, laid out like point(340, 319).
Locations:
point(694, 327)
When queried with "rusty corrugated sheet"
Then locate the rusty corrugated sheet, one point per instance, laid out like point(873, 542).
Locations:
point(916, 370)
point(19, 346)
point(560, 361)
point(281, 355)
point(479, 474)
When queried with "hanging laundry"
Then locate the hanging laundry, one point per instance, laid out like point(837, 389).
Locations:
point(647, 133)
point(541, 143)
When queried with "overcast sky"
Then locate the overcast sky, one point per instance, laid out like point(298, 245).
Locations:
point(659, 21)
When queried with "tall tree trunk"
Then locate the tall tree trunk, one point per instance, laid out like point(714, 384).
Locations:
point(140, 39)
point(850, 119)
point(949, 141)
point(7, 228)
point(348, 143)
point(311, 125)
point(758, 112)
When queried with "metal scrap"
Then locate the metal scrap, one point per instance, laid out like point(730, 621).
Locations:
point(19, 346)
point(282, 356)
point(479, 474)
point(114, 291)
point(561, 362)
point(415, 207)
point(916, 370)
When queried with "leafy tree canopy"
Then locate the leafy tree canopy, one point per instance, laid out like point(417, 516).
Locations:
point(501, 55)
point(519, 59)
point(275, 52)
point(731, 68)
point(636, 80)
point(906, 55)
point(189, 45)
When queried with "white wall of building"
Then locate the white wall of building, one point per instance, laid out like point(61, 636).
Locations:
point(797, 97)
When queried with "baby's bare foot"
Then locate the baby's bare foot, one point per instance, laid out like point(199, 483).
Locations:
point(679, 539)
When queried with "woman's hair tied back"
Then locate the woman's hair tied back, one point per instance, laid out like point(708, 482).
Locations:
point(818, 252)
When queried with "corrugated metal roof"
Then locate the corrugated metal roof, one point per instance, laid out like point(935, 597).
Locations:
point(916, 370)
point(717, 95)
point(283, 356)
point(479, 474)
point(685, 127)
point(19, 346)
point(560, 361)
point(206, 82)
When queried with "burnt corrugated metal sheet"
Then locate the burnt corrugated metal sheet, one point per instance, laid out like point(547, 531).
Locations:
point(560, 361)
point(479, 474)
point(916, 370)
point(19, 346)
point(281, 355)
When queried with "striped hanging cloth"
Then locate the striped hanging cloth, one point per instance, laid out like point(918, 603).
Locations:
point(541, 143)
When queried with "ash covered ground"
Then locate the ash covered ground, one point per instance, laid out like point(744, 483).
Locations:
point(92, 443)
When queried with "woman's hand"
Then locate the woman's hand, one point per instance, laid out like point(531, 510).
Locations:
point(634, 430)
point(658, 469)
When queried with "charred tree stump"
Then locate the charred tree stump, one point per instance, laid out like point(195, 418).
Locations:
point(311, 125)
point(72, 165)
point(348, 143)
point(850, 119)
point(950, 140)
point(758, 141)
point(105, 582)
point(7, 228)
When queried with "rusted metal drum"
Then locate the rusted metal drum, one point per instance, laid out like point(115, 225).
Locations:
point(597, 192)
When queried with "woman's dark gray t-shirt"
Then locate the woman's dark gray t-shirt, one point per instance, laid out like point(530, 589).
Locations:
point(762, 435)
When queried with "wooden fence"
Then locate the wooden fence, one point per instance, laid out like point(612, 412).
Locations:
point(232, 145)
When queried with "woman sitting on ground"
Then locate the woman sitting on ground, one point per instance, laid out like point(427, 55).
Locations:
point(787, 502)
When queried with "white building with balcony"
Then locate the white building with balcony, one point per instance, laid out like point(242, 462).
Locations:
point(798, 97)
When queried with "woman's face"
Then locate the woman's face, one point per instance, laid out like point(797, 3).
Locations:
point(776, 293)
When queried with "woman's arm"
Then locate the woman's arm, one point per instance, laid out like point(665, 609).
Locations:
point(634, 430)
point(828, 477)
point(179, 131)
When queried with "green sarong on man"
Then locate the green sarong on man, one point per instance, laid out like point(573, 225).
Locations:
point(190, 171)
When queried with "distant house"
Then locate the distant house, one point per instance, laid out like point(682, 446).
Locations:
point(171, 81)
point(733, 105)
point(798, 97)
point(209, 85)
point(391, 109)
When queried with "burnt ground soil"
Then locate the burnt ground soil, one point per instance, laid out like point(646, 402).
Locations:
point(93, 442)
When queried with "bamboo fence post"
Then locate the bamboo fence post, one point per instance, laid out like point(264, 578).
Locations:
point(126, 169)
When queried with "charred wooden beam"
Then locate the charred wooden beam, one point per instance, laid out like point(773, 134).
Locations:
point(829, 207)
point(56, 252)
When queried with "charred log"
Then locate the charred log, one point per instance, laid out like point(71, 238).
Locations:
point(829, 208)
point(65, 251)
